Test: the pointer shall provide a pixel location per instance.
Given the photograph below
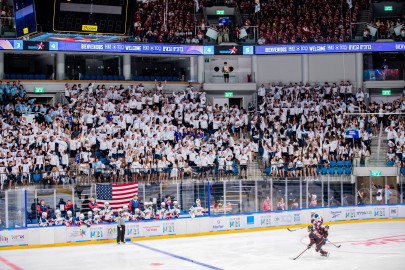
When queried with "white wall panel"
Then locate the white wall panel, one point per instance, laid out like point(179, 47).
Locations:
point(284, 68)
point(332, 67)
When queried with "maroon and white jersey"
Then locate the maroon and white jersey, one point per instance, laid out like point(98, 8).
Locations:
point(69, 221)
point(59, 221)
point(161, 213)
point(175, 212)
point(126, 215)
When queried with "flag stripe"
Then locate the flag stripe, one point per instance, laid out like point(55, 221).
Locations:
point(116, 195)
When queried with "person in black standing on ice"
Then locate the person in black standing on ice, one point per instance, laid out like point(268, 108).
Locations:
point(120, 228)
point(318, 239)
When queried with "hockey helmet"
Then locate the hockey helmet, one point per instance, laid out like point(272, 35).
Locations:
point(310, 228)
point(137, 210)
point(69, 213)
point(44, 214)
point(90, 213)
point(81, 216)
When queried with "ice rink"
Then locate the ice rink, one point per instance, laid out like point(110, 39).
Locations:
point(373, 245)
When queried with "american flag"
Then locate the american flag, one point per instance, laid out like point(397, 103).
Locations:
point(116, 195)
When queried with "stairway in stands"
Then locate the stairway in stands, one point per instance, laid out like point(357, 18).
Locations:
point(378, 156)
point(364, 17)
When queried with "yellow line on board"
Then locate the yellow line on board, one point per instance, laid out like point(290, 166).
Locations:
point(96, 242)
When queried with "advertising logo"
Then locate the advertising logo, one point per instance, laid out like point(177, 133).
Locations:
point(3, 239)
point(229, 50)
point(218, 225)
point(234, 223)
point(250, 220)
point(96, 232)
point(393, 211)
point(364, 213)
point(82, 232)
point(265, 221)
point(36, 46)
point(151, 228)
point(133, 231)
point(350, 213)
point(335, 214)
point(18, 237)
point(168, 227)
point(379, 212)
point(112, 231)
point(297, 218)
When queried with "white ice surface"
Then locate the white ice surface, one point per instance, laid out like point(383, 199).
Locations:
point(379, 245)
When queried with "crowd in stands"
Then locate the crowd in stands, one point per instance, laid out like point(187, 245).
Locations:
point(302, 21)
point(150, 25)
point(6, 17)
point(386, 29)
point(131, 133)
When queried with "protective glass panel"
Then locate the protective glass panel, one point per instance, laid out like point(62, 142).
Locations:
point(265, 197)
point(294, 194)
point(279, 191)
point(333, 192)
point(248, 197)
point(233, 194)
point(314, 193)
point(218, 199)
point(16, 209)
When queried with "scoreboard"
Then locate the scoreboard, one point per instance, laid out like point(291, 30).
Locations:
point(90, 16)
point(25, 19)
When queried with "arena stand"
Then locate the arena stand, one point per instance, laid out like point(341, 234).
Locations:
point(149, 22)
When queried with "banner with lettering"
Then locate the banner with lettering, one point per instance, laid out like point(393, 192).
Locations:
point(13, 238)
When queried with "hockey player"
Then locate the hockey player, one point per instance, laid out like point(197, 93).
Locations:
point(89, 219)
point(175, 211)
point(58, 219)
point(192, 212)
point(139, 215)
point(125, 213)
point(43, 220)
point(149, 212)
point(314, 216)
point(80, 221)
point(161, 212)
point(317, 238)
point(107, 212)
point(199, 210)
point(69, 219)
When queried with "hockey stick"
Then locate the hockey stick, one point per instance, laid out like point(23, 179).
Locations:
point(292, 230)
point(300, 254)
point(338, 246)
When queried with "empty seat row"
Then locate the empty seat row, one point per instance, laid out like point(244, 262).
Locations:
point(25, 76)
point(103, 77)
point(157, 78)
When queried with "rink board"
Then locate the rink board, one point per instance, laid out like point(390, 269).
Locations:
point(188, 226)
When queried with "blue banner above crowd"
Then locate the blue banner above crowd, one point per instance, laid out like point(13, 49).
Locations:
point(201, 50)
point(331, 48)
